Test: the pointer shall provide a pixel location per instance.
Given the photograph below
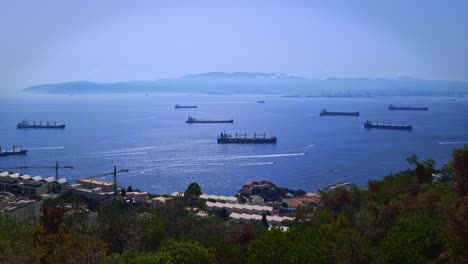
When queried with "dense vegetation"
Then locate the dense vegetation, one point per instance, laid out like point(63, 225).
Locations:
point(404, 218)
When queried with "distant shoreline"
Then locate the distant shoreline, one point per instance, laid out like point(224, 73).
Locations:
point(264, 84)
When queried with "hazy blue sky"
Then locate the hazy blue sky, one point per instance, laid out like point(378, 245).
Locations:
point(52, 41)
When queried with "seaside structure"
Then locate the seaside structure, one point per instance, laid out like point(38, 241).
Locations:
point(240, 208)
point(137, 197)
point(273, 220)
point(23, 210)
point(30, 186)
point(219, 198)
point(160, 201)
point(301, 201)
point(96, 189)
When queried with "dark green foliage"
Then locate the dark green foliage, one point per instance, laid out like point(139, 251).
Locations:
point(460, 170)
point(192, 193)
point(276, 246)
point(264, 221)
point(403, 218)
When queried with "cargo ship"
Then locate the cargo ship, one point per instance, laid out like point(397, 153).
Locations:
point(21, 151)
point(27, 124)
point(260, 102)
point(192, 120)
point(184, 106)
point(324, 112)
point(225, 138)
point(368, 124)
point(392, 107)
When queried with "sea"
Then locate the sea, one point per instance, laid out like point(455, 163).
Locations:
point(163, 154)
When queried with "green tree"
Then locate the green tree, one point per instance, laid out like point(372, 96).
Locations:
point(412, 160)
point(184, 253)
point(265, 221)
point(192, 193)
point(52, 218)
point(279, 247)
point(13, 238)
point(414, 238)
point(459, 165)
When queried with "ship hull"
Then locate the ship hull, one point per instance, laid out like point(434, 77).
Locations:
point(177, 107)
point(13, 153)
point(247, 141)
point(394, 108)
point(394, 127)
point(210, 121)
point(41, 126)
point(339, 113)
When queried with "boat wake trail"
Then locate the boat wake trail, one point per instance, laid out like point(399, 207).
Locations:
point(308, 146)
point(258, 164)
point(453, 142)
point(175, 165)
point(262, 156)
point(45, 148)
point(123, 150)
point(111, 155)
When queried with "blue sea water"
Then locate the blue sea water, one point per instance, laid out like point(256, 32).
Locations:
point(146, 135)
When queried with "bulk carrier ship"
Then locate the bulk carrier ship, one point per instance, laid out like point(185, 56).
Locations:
point(410, 108)
point(184, 106)
point(225, 138)
point(368, 124)
point(27, 124)
point(192, 120)
point(324, 112)
point(21, 151)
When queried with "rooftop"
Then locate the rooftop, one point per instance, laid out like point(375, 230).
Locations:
point(96, 181)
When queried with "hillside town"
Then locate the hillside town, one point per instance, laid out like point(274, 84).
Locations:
point(22, 196)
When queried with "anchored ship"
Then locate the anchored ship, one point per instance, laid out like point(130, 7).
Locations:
point(225, 138)
point(27, 124)
point(192, 120)
point(392, 107)
point(261, 102)
point(368, 124)
point(21, 151)
point(324, 112)
point(185, 106)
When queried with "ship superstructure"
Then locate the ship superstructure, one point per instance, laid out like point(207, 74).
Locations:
point(324, 112)
point(34, 124)
point(392, 107)
point(368, 124)
point(225, 138)
point(17, 150)
point(191, 120)
point(184, 106)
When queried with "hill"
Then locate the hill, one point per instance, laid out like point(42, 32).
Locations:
point(265, 83)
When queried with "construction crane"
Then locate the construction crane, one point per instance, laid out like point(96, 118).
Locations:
point(114, 173)
point(56, 167)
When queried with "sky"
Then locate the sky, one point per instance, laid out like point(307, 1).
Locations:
point(51, 41)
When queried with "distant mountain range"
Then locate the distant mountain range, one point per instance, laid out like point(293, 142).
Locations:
point(265, 83)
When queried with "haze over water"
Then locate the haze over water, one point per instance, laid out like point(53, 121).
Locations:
point(146, 135)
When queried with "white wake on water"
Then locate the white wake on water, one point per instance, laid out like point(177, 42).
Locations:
point(263, 156)
point(453, 142)
point(123, 150)
point(46, 148)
